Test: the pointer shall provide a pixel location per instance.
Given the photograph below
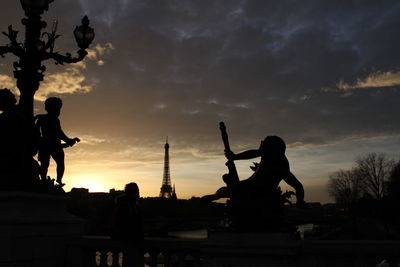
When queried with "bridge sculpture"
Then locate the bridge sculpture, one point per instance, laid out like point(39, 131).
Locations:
point(257, 203)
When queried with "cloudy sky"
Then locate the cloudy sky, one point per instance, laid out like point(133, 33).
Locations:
point(323, 75)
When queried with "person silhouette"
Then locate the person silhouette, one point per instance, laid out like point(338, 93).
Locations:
point(272, 169)
point(51, 137)
point(126, 225)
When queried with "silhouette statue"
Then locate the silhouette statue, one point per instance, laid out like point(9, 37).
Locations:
point(257, 202)
point(18, 170)
point(51, 137)
point(126, 225)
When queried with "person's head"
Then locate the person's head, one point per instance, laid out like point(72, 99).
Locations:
point(272, 145)
point(53, 105)
point(132, 191)
point(7, 99)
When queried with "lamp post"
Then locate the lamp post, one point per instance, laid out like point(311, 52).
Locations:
point(37, 48)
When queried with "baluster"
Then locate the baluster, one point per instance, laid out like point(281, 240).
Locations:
point(189, 261)
point(174, 261)
point(177, 259)
point(154, 257)
point(88, 257)
point(120, 259)
point(110, 258)
point(160, 260)
point(167, 259)
point(115, 259)
point(147, 259)
point(103, 259)
point(97, 258)
point(200, 261)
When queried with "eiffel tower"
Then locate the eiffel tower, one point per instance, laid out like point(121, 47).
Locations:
point(166, 189)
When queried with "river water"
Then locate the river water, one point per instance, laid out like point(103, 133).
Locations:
point(191, 234)
point(203, 234)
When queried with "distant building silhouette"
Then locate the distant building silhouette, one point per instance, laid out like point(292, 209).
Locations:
point(166, 189)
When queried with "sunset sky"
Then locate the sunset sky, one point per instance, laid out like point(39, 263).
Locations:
point(323, 75)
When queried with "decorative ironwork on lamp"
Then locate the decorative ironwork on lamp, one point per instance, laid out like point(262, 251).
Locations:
point(84, 34)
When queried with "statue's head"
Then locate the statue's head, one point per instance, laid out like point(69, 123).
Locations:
point(272, 145)
point(132, 191)
point(7, 99)
point(53, 105)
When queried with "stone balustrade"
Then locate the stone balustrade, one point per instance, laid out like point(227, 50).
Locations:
point(36, 231)
point(101, 251)
point(236, 250)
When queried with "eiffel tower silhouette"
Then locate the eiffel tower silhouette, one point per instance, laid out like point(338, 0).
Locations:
point(166, 190)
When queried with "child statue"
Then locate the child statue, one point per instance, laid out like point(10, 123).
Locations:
point(51, 137)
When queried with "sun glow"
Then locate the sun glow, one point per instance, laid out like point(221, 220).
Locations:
point(86, 182)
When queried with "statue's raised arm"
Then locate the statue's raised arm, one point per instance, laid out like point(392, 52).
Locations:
point(257, 203)
point(232, 177)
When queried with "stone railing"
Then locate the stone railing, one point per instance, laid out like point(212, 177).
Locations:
point(380, 253)
point(173, 252)
point(236, 250)
point(275, 249)
point(96, 251)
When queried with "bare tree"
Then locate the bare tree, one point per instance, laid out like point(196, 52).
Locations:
point(370, 176)
point(375, 170)
point(346, 186)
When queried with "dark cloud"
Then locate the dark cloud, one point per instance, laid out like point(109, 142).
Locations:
point(258, 54)
point(265, 67)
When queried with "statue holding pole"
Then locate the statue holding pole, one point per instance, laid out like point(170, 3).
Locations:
point(257, 202)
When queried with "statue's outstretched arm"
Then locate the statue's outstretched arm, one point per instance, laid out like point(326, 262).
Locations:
point(248, 154)
point(291, 180)
point(66, 139)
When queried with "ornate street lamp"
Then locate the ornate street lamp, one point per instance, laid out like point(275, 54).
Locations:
point(84, 35)
point(35, 7)
point(38, 47)
point(29, 69)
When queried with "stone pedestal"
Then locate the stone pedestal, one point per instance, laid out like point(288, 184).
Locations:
point(250, 249)
point(34, 229)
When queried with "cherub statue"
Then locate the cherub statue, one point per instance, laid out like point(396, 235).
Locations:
point(51, 137)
